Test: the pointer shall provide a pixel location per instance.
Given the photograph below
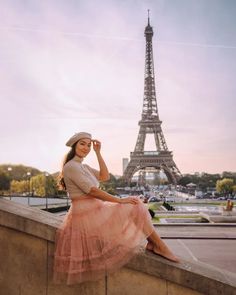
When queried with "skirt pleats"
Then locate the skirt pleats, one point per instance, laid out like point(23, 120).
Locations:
point(97, 238)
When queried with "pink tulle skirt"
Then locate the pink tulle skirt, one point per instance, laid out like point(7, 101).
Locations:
point(97, 238)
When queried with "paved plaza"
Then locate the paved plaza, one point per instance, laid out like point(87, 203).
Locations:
point(211, 244)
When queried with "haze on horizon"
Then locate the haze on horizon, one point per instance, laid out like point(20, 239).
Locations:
point(70, 66)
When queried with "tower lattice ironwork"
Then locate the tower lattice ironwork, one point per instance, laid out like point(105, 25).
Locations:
point(161, 158)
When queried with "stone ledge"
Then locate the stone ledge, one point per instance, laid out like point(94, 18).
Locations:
point(220, 218)
point(29, 220)
point(195, 224)
point(193, 275)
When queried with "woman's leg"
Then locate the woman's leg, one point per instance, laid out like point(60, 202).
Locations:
point(156, 244)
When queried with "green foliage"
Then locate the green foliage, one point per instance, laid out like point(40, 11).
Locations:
point(203, 181)
point(225, 186)
point(39, 185)
point(20, 186)
point(154, 206)
point(168, 206)
point(18, 172)
point(4, 181)
point(156, 219)
point(231, 175)
point(120, 182)
point(185, 180)
point(23, 179)
point(110, 185)
point(43, 184)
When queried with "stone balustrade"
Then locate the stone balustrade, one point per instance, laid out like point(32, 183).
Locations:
point(26, 258)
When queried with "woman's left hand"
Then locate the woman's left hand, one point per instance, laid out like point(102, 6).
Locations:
point(96, 145)
point(129, 200)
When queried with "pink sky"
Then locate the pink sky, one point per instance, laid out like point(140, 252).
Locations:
point(69, 66)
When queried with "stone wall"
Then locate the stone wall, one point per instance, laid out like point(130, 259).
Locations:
point(26, 258)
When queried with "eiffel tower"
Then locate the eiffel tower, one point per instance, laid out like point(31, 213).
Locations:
point(161, 158)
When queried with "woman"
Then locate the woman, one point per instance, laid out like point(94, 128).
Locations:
point(101, 232)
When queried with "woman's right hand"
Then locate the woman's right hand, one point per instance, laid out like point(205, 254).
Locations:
point(129, 200)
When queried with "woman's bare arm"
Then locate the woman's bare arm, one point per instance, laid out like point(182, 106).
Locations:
point(104, 173)
point(104, 196)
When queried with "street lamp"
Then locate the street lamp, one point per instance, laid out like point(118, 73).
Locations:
point(9, 169)
point(45, 189)
point(28, 174)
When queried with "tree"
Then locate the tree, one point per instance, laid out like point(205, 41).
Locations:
point(20, 186)
point(225, 186)
point(18, 172)
point(185, 180)
point(43, 184)
point(121, 182)
point(4, 181)
point(234, 188)
point(110, 185)
point(203, 181)
point(227, 174)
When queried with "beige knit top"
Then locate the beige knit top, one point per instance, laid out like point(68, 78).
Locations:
point(79, 178)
